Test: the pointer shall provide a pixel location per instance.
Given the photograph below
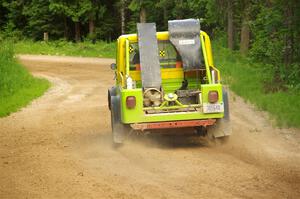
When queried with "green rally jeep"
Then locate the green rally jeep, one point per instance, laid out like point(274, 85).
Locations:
point(167, 80)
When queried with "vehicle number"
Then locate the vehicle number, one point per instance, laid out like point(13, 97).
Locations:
point(186, 42)
point(213, 108)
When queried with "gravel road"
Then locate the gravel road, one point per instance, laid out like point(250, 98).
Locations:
point(60, 147)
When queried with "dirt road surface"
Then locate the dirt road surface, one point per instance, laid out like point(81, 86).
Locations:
point(60, 147)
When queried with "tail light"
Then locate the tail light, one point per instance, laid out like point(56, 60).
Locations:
point(213, 96)
point(130, 102)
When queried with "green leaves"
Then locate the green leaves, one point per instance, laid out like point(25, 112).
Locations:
point(77, 10)
point(134, 5)
point(274, 24)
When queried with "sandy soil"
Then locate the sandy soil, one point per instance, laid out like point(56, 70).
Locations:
point(60, 147)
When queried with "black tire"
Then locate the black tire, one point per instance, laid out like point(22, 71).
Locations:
point(111, 92)
point(109, 99)
point(118, 128)
point(201, 131)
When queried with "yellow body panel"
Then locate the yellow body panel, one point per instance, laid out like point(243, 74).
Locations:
point(170, 73)
point(166, 73)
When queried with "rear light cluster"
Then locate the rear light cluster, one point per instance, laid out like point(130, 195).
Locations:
point(130, 102)
point(213, 96)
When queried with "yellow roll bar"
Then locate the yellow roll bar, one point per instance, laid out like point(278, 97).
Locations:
point(123, 54)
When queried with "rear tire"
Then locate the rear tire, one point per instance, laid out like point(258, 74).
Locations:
point(118, 128)
point(201, 131)
point(111, 92)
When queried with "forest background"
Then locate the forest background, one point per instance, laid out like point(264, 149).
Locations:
point(256, 42)
point(268, 31)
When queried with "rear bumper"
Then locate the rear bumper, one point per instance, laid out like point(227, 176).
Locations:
point(138, 114)
point(174, 124)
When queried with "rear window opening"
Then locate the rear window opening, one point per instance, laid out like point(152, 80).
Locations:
point(168, 56)
point(173, 76)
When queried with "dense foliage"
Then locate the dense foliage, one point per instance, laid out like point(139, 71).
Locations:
point(265, 30)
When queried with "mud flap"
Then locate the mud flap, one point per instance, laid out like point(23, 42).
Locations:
point(223, 126)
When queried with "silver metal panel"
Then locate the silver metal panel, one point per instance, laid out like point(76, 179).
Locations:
point(149, 58)
point(185, 36)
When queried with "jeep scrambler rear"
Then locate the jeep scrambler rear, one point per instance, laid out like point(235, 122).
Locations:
point(167, 80)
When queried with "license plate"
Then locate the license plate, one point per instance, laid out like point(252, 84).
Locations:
point(213, 108)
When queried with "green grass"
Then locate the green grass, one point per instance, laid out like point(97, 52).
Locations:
point(17, 86)
point(64, 48)
point(246, 79)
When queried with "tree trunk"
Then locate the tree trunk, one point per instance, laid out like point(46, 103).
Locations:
point(91, 26)
point(123, 18)
point(77, 31)
point(288, 46)
point(230, 25)
point(143, 15)
point(66, 29)
point(245, 31)
point(245, 38)
point(165, 17)
point(180, 10)
point(46, 36)
point(92, 29)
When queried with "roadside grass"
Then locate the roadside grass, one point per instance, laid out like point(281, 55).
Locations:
point(64, 48)
point(17, 86)
point(246, 78)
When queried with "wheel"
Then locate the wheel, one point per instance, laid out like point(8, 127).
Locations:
point(109, 99)
point(118, 128)
point(111, 92)
point(201, 131)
